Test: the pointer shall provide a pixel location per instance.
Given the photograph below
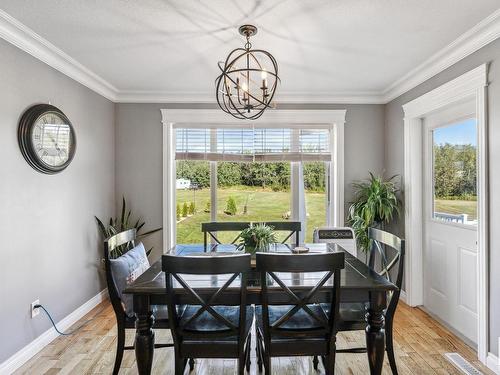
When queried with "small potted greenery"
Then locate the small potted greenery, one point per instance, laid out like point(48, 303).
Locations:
point(257, 237)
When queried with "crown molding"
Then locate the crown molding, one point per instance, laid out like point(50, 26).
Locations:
point(30, 42)
point(281, 97)
point(27, 40)
point(472, 40)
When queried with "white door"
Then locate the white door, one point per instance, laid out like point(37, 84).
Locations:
point(450, 221)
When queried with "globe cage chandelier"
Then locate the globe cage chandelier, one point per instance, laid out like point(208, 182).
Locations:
point(247, 84)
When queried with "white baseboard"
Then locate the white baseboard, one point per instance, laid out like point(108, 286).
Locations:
point(23, 355)
point(493, 363)
point(402, 296)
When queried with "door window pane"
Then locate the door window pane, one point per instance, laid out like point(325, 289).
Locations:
point(454, 172)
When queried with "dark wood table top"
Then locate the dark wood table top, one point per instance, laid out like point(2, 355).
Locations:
point(357, 279)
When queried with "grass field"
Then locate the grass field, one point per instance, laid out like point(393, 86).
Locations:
point(457, 207)
point(263, 205)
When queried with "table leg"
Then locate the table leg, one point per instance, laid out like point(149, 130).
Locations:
point(375, 332)
point(144, 334)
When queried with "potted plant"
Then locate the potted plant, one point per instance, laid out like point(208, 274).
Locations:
point(124, 222)
point(257, 237)
point(375, 204)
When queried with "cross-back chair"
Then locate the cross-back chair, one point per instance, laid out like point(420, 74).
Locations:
point(296, 325)
point(205, 323)
point(291, 228)
point(387, 255)
point(126, 241)
point(212, 228)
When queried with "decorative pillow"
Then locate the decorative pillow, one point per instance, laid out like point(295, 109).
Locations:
point(125, 270)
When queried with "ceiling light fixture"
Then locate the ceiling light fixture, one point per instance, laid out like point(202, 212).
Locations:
point(246, 86)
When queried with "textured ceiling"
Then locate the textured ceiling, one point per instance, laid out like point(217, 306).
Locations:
point(322, 47)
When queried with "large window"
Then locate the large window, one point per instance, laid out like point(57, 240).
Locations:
point(251, 174)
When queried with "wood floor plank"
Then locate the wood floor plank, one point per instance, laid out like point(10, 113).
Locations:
point(420, 344)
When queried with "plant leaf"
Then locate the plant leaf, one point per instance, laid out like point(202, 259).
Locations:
point(145, 234)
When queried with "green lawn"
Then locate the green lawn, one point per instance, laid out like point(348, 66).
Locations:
point(457, 207)
point(263, 205)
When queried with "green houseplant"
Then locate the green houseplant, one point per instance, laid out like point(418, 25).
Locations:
point(257, 237)
point(124, 222)
point(375, 204)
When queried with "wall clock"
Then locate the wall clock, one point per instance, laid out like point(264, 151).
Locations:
point(46, 138)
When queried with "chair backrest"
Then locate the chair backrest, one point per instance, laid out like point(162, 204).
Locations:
point(292, 227)
point(343, 236)
point(211, 229)
point(111, 244)
point(233, 267)
point(387, 257)
point(271, 265)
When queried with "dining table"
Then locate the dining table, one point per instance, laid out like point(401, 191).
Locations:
point(359, 284)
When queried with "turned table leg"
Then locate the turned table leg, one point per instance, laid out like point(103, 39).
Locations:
point(144, 334)
point(375, 332)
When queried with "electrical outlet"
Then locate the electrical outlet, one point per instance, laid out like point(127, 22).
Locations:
point(35, 311)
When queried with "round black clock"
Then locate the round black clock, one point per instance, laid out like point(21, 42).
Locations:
point(46, 138)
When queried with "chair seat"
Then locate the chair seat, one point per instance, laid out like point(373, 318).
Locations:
point(206, 323)
point(297, 337)
point(300, 321)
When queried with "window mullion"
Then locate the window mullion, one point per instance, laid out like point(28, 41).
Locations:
point(213, 176)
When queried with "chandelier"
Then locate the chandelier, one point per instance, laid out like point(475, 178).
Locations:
point(248, 80)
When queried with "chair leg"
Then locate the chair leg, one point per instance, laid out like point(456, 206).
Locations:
point(267, 364)
point(264, 356)
point(241, 363)
point(389, 347)
point(248, 351)
point(315, 362)
point(180, 364)
point(191, 364)
point(120, 347)
point(259, 352)
point(331, 359)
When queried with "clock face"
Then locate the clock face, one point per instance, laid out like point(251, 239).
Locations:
point(51, 139)
point(46, 138)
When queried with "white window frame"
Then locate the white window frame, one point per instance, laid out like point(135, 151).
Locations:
point(332, 119)
point(471, 85)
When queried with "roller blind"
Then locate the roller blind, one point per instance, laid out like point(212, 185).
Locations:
point(253, 144)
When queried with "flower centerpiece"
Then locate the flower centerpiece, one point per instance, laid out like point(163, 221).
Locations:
point(257, 237)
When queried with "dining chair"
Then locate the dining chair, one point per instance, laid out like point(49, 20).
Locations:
point(344, 236)
point(211, 229)
point(387, 255)
point(292, 323)
point(126, 241)
point(291, 228)
point(207, 324)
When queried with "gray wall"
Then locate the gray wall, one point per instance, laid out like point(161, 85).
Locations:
point(50, 248)
point(394, 155)
point(139, 153)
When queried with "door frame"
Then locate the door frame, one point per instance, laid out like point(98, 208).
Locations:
point(471, 85)
point(333, 119)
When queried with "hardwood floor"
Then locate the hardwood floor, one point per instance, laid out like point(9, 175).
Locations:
point(420, 343)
